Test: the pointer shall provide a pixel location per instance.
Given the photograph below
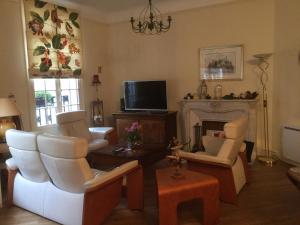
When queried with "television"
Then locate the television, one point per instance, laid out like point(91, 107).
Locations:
point(145, 95)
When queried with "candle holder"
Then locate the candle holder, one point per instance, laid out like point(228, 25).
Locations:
point(175, 159)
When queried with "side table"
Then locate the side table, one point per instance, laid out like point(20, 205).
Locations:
point(194, 185)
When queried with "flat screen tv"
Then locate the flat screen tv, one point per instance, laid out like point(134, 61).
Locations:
point(145, 95)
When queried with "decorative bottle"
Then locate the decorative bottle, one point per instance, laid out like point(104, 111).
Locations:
point(218, 91)
point(202, 90)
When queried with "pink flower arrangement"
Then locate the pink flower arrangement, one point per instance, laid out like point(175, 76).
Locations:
point(133, 132)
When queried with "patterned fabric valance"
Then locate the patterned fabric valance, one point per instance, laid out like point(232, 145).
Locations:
point(53, 40)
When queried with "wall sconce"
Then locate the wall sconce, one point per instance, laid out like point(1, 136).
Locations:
point(8, 110)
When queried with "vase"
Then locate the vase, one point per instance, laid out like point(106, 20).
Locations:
point(133, 145)
point(129, 145)
point(202, 90)
point(218, 91)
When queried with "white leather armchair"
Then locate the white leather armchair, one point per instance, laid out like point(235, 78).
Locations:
point(74, 124)
point(50, 176)
point(224, 158)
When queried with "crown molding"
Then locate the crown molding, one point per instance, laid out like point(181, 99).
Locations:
point(85, 11)
point(124, 15)
point(164, 7)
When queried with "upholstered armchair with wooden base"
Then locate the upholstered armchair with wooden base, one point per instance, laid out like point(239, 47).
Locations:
point(294, 175)
point(49, 175)
point(224, 158)
point(74, 124)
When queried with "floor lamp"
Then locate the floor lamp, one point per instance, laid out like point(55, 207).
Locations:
point(263, 65)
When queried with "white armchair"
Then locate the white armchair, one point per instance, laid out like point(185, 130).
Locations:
point(74, 124)
point(224, 158)
point(50, 176)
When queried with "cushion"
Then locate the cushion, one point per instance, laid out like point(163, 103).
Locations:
point(104, 177)
point(97, 144)
point(62, 146)
point(103, 130)
point(68, 117)
point(76, 129)
point(236, 128)
point(68, 174)
point(212, 144)
point(21, 139)
point(23, 148)
point(11, 164)
point(30, 165)
point(294, 174)
point(230, 149)
point(74, 124)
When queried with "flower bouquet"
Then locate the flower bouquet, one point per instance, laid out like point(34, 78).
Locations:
point(133, 135)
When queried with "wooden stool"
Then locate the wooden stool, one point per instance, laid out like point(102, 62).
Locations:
point(194, 185)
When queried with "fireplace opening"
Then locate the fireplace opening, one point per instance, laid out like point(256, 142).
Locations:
point(213, 128)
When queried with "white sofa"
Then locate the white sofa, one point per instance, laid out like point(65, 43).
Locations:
point(74, 124)
point(49, 175)
point(224, 158)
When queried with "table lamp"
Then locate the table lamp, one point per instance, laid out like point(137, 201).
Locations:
point(8, 109)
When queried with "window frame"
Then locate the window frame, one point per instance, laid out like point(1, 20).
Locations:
point(58, 90)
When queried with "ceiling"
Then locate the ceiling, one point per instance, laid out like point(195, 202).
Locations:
point(112, 6)
point(111, 11)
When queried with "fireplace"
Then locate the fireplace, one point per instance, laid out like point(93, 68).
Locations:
point(211, 115)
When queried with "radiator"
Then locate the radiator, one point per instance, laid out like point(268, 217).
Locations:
point(291, 143)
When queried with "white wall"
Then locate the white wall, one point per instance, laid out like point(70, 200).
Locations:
point(174, 56)
point(287, 67)
point(94, 45)
point(13, 78)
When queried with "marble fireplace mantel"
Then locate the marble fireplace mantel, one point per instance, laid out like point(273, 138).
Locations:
point(196, 111)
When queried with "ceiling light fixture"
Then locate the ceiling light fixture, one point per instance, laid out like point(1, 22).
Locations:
point(150, 21)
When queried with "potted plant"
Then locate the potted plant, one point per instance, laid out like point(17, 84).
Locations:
point(133, 135)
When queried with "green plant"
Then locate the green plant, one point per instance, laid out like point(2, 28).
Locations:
point(45, 95)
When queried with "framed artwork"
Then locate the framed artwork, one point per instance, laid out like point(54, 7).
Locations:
point(222, 63)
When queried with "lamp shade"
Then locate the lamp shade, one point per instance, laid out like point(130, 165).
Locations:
point(8, 108)
point(96, 80)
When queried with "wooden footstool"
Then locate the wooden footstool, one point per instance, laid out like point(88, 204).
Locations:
point(194, 185)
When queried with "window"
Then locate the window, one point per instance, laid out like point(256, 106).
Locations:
point(53, 96)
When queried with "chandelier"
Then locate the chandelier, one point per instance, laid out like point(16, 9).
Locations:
point(150, 21)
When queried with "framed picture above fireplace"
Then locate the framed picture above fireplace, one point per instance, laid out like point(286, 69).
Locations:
point(221, 63)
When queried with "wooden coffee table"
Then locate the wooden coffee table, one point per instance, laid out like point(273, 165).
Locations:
point(194, 185)
point(106, 158)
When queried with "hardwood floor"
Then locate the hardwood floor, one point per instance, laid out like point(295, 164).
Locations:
point(270, 198)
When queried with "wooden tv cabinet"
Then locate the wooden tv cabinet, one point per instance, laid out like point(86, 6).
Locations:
point(157, 128)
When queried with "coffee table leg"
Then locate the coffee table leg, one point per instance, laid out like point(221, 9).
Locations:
point(167, 212)
point(211, 213)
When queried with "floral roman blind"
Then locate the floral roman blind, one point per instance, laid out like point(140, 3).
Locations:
point(53, 40)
